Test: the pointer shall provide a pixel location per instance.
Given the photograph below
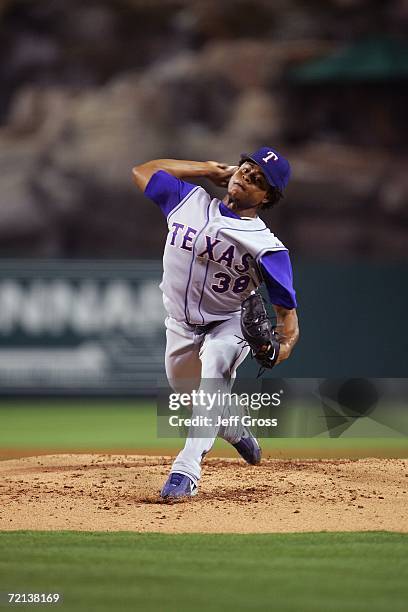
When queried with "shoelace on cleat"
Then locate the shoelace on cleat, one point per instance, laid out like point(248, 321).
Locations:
point(176, 479)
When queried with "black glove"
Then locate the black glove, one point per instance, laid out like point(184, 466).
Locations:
point(259, 332)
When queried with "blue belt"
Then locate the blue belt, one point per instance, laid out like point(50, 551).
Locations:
point(204, 329)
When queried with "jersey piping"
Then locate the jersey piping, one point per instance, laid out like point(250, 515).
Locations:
point(186, 309)
point(183, 201)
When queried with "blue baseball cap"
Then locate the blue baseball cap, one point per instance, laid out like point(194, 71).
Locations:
point(274, 166)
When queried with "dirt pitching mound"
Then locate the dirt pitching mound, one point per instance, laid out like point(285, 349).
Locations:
point(121, 492)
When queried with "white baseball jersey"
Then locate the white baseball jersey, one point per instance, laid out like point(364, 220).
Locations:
point(211, 261)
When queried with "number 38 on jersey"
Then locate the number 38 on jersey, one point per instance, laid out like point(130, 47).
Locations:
point(236, 266)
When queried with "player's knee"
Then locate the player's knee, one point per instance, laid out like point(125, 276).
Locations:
point(182, 373)
point(217, 360)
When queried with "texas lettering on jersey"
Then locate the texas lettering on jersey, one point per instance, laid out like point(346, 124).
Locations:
point(216, 250)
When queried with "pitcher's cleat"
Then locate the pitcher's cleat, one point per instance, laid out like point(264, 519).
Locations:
point(249, 448)
point(178, 486)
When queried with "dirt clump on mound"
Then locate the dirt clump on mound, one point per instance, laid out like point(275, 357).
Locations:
point(121, 492)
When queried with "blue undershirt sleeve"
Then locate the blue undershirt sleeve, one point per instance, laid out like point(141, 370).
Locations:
point(167, 191)
point(277, 273)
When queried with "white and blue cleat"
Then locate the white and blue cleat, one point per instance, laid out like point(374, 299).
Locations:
point(178, 486)
point(249, 448)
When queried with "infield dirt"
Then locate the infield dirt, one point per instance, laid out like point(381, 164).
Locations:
point(121, 492)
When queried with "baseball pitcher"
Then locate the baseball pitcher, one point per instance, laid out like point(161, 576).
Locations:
point(217, 254)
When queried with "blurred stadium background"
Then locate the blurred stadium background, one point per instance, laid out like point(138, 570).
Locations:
point(90, 89)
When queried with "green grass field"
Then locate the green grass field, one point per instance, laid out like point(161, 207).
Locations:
point(75, 425)
point(156, 572)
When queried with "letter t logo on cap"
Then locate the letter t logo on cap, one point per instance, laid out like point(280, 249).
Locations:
point(270, 155)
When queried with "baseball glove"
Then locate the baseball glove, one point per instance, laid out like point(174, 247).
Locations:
point(259, 332)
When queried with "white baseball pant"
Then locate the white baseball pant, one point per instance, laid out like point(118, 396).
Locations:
point(205, 361)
